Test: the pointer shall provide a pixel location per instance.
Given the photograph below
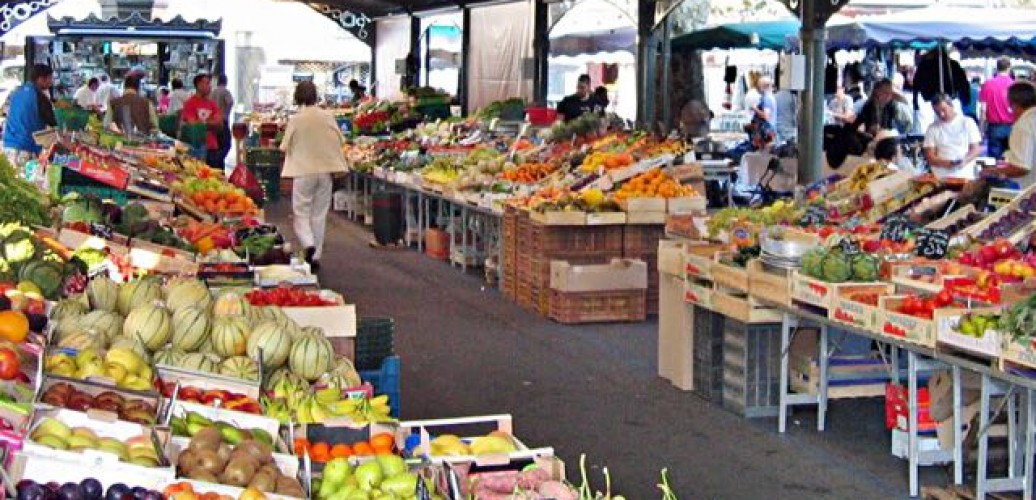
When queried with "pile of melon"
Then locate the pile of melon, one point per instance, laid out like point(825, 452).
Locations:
point(183, 324)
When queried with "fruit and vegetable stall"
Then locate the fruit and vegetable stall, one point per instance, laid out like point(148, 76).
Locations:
point(770, 309)
point(512, 200)
point(160, 339)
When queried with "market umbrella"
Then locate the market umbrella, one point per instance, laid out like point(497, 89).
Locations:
point(772, 35)
point(1000, 29)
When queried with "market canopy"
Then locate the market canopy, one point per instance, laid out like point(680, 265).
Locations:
point(993, 29)
point(772, 35)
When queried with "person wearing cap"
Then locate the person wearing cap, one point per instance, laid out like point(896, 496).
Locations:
point(1020, 158)
point(953, 142)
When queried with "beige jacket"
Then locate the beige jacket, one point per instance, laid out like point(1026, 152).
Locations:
point(312, 144)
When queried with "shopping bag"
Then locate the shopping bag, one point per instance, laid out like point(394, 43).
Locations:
point(243, 178)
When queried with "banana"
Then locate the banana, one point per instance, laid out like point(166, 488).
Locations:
point(303, 413)
point(318, 412)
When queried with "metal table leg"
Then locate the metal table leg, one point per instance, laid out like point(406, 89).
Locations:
point(1017, 481)
point(822, 395)
point(789, 324)
point(463, 239)
point(958, 432)
point(917, 458)
point(1030, 428)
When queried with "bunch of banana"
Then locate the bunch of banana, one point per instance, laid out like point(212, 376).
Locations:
point(363, 411)
point(326, 405)
point(863, 175)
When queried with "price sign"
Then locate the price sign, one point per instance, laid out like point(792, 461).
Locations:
point(896, 228)
point(932, 243)
point(814, 216)
point(101, 231)
point(849, 247)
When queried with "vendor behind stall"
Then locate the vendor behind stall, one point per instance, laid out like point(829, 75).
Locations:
point(884, 109)
point(30, 111)
point(131, 112)
point(1021, 154)
point(580, 103)
point(953, 142)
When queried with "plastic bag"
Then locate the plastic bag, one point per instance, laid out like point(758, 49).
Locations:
point(243, 178)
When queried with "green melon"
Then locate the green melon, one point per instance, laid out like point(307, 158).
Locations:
point(313, 331)
point(188, 293)
point(230, 336)
point(198, 362)
point(310, 357)
point(274, 342)
point(170, 356)
point(230, 304)
point(103, 294)
point(84, 339)
point(68, 308)
point(137, 293)
point(108, 323)
point(285, 374)
point(343, 366)
point(149, 323)
point(239, 367)
point(190, 328)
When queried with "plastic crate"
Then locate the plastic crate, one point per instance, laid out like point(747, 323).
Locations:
point(542, 117)
point(708, 355)
point(169, 124)
point(374, 342)
point(194, 134)
point(264, 157)
point(269, 177)
point(751, 368)
point(597, 307)
point(386, 381)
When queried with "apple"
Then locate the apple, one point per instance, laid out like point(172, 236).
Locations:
point(190, 394)
point(10, 366)
point(209, 397)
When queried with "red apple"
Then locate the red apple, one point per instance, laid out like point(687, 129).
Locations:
point(209, 397)
point(10, 366)
point(189, 394)
point(36, 306)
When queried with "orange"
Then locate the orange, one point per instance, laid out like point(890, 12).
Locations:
point(362, 448)
point(301, 446)
point(320, 452)
point(14, 326)
point(341, 450)
point(383, 440)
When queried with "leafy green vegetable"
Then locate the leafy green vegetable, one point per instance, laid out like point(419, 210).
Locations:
point(20, 201)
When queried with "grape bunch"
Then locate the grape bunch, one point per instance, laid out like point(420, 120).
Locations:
point(74, 284)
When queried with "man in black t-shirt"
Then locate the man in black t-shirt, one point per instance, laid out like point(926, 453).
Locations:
point(583, 101)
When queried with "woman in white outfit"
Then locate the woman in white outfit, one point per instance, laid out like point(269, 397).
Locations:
point(312, 148)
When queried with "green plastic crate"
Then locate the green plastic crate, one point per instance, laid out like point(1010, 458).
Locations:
point(195, 134)
point(169, 124)
point(71, 118)
point(269, 177)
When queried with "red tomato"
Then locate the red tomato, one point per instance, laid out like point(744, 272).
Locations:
point(943, 299)
point(10, 366)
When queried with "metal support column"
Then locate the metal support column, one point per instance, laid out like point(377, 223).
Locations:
point(541, 50)
point(1020, 452)
point(916, 457)
point(465, 59)
point(811, 121)
point(666, 70)
point(646, 49)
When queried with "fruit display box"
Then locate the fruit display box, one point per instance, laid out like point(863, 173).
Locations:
point(130, 435)
point(477, 481)
point(727, 275)
point(742, 307)
point(559, 218)
point(927, 276)
point(77, 467)
point(774, 286)
point(687, 205)
point(337, 321)
point(238, 419)
point(633, 205)
point(699, 258)
point(415, 437)
point(71, 238)
point(202, 381)
point(161, 259)
point(606, 218)
point(671, 258)
point(914, 329)
point(698, 294)
point(1010, 221)
point(288, 465)
point(286, 462)
point(989, 345)
point(94, 390)
point(98, 380)
point(822, 294)
point(846, 309)
point(1017, 351)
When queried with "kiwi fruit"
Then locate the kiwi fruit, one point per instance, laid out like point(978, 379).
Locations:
point(259, 451)
point(209, 460)
point(203, 475)
point(263, 482)
point(224, 452)
point(208, 438)
point(290, 487)
point(188, 461)
point(239, 472)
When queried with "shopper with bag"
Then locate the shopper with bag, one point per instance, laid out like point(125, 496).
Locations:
point(312, 148)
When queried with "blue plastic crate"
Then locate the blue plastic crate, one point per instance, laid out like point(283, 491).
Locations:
point(386, 381)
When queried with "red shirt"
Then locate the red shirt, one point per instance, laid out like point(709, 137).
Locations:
point(199, 109)
point(994, 94)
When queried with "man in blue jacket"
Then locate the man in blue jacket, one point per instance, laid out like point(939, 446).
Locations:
point(30, 111)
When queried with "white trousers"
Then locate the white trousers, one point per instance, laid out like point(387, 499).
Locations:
point(310, 202)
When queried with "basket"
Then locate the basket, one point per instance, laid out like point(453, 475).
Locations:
point(373, 342)
point(195, 134)
point(71, 118)
point(168, 124)
point(542, 117)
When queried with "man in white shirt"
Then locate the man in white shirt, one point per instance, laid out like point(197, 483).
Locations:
point(1020, 160)
point(952, 143)
point(178, 96)
point(86, 96)
point(106, 92)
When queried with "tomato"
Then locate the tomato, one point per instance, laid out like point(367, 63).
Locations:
point(10, 366)
point(943, 299)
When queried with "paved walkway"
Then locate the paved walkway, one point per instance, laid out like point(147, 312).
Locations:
point(468, 351)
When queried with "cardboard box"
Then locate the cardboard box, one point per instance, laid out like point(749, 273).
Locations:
point(619, 274)
point(675, 334)
point(336, 321)
point(940, 392)
point(901, 443)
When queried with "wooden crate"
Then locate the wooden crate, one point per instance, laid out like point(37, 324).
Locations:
point(687, 205)
point(727, 275)
point(913, 329)
point(699, 258)
point(605, 218)
point(768, 285)
point(853, 313)
point(697, 293)
point(598, 307)
point(635, 218)
point(631, 205)
point(1017, 352)
point(559, 218)
point(822, 294)
point(739, 306)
